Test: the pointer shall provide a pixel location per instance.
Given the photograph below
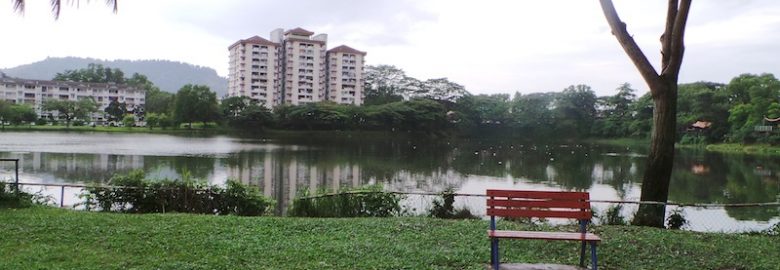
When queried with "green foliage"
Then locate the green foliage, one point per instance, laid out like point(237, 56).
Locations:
point(676, 220)
point(243, 113)
point(364, 202)
point(444, 208)
point(128, 121)
point(613, 217)
point(132, 193)
point(94, 73)
point(195, 103)
point(16, 114)
point(753, 97)
point(70, 110)
point(575, 110)
point(10, 198)
point(115, 110)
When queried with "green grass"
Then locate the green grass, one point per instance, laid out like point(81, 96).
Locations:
point(759, 149)
point(49, 238)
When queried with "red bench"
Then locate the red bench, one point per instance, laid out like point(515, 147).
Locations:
point(541, 204)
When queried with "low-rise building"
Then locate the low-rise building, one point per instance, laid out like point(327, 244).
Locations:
point(36, 92)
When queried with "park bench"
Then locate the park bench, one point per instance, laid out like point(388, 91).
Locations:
point(540, 204)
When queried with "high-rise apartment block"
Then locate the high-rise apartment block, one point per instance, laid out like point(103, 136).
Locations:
point(295, 67)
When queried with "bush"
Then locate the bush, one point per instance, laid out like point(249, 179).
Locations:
point(676, 220)
point(9, 198)
point(613, 217)
point(365, 202)
point(132, 193)
point(444, 208)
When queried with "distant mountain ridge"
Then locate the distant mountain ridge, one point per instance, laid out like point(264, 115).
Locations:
point(168, 75)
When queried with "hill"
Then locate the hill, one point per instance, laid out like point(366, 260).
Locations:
point(168, 75)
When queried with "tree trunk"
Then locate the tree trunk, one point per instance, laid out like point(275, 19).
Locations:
point(655, 182)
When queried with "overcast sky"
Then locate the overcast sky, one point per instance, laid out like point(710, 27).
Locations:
point(488, 46)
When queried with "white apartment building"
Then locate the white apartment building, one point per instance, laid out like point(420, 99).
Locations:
point(254, 71)
point(345, 75)
point(35, 92)
point(297, 69)
point(304, 66)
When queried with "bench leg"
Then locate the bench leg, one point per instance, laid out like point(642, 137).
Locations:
point(494, 259)
point(593, 257)
point(582, 254)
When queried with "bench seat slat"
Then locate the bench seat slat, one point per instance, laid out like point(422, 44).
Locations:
point(571, 236)
point(574, 204)
point(538, 213)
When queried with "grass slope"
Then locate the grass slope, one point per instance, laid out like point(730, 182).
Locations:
point(48, 238)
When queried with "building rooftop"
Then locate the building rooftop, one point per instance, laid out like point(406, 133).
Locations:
point(299, 31)
point(346, 49)
point(254, 40)
point(67, 83)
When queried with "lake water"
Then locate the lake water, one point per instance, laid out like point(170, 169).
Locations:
point(283, 167)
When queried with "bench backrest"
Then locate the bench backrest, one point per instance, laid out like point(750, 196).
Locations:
point(539, 204)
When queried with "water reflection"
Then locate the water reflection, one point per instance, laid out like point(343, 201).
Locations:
point(282, 168)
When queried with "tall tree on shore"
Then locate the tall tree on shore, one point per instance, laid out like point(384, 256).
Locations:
point(56, 6)
point(71, 109)
point(663, 88)
point(195, 103)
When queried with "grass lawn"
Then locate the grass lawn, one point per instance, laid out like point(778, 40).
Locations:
point(50, 238)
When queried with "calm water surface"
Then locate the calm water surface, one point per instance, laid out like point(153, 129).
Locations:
point(283, 167)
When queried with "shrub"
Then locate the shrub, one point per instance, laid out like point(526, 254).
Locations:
point(365, 202)
point(132, 193)
point(444, 208)
point(9, 198)
point(676, 220)
point(612, 216)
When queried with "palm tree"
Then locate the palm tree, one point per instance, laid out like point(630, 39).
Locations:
point(57, 4)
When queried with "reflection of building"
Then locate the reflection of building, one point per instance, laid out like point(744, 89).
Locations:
point(293, 67)
point(35, 92)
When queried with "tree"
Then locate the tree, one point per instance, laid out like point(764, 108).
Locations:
point(615, 112)
point(94, 73)
point(128, 121)
point(242, 112)
point(575, 110)
point(195, 103)
point(69, 109)
point(754, 97)
point(115, 110)
point(157, 101)
point(385, 84)
point(5, 113)
point(663, 88)
point(22, 113)
point(441, 89)
point(56, 5)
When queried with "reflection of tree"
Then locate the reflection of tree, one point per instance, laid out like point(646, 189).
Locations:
point(617, 173)
point(197, 167)
point(744, 185)
point(731, 179)
point(574, 169)
point(688, 187)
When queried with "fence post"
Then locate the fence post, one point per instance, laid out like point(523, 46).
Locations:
point(16, 179)
point(62, 196)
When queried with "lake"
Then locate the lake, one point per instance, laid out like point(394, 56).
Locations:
point(285, 166)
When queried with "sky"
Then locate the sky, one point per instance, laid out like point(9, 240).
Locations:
point(489, 46)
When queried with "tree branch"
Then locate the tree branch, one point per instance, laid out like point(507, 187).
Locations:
point(677, 45)
point(666, 37)
point(630, 46)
